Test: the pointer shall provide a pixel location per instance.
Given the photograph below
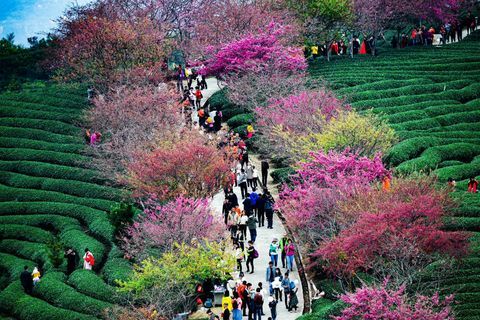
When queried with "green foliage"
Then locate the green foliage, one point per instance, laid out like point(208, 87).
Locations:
point(54, 291)
point(55, 252)
point(37, 252)
point(121, 216)
point(47, 125)
point(240, 120)
point(38, 135)
point(93, 286)
point(282, 175)
point(66, 159)
point(24, 232)
point(23, 306)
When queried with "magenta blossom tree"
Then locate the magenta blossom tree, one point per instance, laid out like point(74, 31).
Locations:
point(182, 220)
point(380, 303)
point(257, 53)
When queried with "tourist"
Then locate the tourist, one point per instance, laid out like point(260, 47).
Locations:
point(386, 184)
point(242, 224)
point(472, 185)
point(217, 121)
point(270, 276)
point(88, 260)
point(236, 312)
point(242, 293)
point(35, 276)
point(314, 50)
point(290, 253)
point(250, 131)
point(249, 172)
point(254, 178)
point(252, 227)
point(277, 284)
point(286, 285)
point(273, 251)
point(355, 45)
point(282, 244)
point(87, 136)
point(250, 257)
point(198, 97)
point(250, 295)
point(254, 199)
point(71, 260)
point(227, 300)
point(245, 159)
point(247, 204)
point(268, 211)
point(293, 300)
point(261, 210)
point(258, 304)
point(226, 312)
point(272, 304)
point(263, 292)
point(26, 280)
point(240, 239)
point(211, 315)
point(451, 184)
point(265, 167)
point(242, 182)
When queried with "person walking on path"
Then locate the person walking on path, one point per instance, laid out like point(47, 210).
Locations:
point(293, 303)
point(258, 304)
point(247, 205)
point(88, 260)
point(236, 312)
point(239, 256)
point(282, 245)
point(249, 172)
point(26, 280)
point(268, 211)
point(253, 199)
point(198, 97)
point(286, 288)
point(252, 227)
point(265, 167)
point(270, 276)
point(251, 253)
point(242, 225)
point(290, 253)
point(277, 284)
point(71, 260)
point(273, 251)
point(242, 182)
point(272, 304)
point(261, 210)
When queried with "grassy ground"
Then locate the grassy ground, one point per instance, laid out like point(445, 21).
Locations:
point(431, 96)
point(48, 191)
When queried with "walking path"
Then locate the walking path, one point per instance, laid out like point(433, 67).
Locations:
point(264, 238)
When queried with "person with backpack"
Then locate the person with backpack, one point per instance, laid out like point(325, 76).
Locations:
point(239, 256)
point(273, 251)
point(258, 304)
point(88, 260)
point(261, 210)
point(269, 212)
point(253, 200)
point(270, 276)
point(286, 284)
point(272, 304)
point(252, 254)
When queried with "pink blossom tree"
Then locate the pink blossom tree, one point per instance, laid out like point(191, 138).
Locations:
point(187, 167)
point(181, 220)
point(255, 54)
point(395, 240)
point(381, 303)
point(132, 120)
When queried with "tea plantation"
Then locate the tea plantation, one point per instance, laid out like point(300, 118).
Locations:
point(50, 193)
point(431, 96)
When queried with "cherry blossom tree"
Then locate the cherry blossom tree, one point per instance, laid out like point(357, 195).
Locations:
point(399, 237)
point(255, 54)
point(97, 45)
point(187, 167)
point(132, 120)
point(162, 225)
point(381, 303)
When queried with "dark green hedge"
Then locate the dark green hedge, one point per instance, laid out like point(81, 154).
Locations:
point(39, 135)
point(282, 175)
point(47, 125)
point(240, 120)
point(24, 232)
point(12, 142)
point(66, 159)
point(92, 285)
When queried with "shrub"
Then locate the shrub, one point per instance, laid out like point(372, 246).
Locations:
point(47, 221)
point(23, 232)
point(38, 114)
point(239, 120)
point(59, 294)
point(7, 142)
point(14, 265)
point(121, 216)
point(116, 269)
point(17, 302)
point(91, 285)
point(41, 169)
point(38, 135)
point(37, 252)
point(282, 175)
point(47, 125)
point(66, 159)
point(229, 111)
point(96, 220)
point(241, 130)
point(219, 99)
point(39, 106)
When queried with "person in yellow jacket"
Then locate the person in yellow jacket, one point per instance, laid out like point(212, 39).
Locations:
point(250, 131)
point(227, 300)
point(35, 275)
point(314, 51)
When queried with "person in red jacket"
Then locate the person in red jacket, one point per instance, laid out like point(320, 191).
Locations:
point(472, 185)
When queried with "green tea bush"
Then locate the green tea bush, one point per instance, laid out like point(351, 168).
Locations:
point(78, 240)
point(116, 269)
point(7, 142)
point(27, 195)
point(75, 188)
point(66, 159)
point(92, 285)
point(33, 251)
point(14, 265)
point(240, 120)
point(23, 306)
point(39, 106)
point(96, 220)
point(218, 99)
point(37, 114)
point(41, 98)
point(41, 169)
point(24, 232)
point(231, 111)
point(47, 125)
point(46, 221)
point(406, 116)
point(61, 295)
point(38, 135)
point(459, 172)
point(462, 117)
point(423, 124)
point(282, 175)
